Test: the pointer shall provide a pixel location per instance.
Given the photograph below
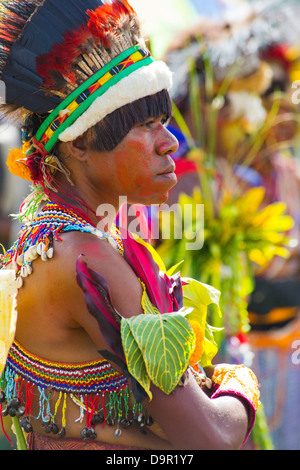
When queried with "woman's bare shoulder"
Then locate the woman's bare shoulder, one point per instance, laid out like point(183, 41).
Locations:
point(102, 258)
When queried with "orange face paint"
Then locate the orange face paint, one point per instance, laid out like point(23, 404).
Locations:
point(137, 168)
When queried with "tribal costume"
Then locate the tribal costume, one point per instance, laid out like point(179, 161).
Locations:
point(101, 394)
point(68, 66)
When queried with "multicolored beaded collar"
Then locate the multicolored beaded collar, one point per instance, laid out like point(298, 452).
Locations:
point(101, 394)
point(37, 238)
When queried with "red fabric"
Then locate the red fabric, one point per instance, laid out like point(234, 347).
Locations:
point(164, 293)
point(184, 166)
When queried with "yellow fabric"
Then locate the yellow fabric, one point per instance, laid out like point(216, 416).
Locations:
point(146, 303)
point(237, 379)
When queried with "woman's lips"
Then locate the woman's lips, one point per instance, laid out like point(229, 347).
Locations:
point(169, 174)
point(170, 169)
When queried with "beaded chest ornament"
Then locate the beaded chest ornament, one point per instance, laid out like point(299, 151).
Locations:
point(101, 394)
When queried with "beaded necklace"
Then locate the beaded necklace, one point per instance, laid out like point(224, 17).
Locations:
point(37, 237)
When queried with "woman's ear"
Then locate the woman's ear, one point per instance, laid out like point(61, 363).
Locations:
point(77, 148)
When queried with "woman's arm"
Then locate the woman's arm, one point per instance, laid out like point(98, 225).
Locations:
point(192, 420)
point(188, 417)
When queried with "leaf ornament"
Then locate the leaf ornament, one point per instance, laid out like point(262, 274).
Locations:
point(153, 347)
point(199, 347)
point(158, 349)
point(147, 306)
point(164, 292)
point(198, 297)
point(174, 285)
point(97, 297)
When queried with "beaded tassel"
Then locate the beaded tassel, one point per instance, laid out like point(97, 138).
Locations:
point(103, 399)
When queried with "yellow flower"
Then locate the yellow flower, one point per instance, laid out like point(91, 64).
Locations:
point(199, 334)
point(16, 163)
point(196, 155)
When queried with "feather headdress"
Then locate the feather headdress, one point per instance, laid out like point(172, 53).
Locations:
point(109, 30)
point(29, 29)
point(72, 62)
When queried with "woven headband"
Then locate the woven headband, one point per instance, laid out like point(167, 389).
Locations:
point(131, 75)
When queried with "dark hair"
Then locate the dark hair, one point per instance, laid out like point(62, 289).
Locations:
point(109, 132)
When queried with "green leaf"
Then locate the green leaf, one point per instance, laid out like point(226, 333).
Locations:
point(134, 357)
point(174, 269)
point(21, 441)
point(199, 296)
point(157, 349)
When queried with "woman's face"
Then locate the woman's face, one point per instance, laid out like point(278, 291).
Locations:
point(140, 167)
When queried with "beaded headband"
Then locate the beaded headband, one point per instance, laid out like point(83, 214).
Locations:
point(59, 125)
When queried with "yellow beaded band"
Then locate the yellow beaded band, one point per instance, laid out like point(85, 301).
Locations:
point(64, 115)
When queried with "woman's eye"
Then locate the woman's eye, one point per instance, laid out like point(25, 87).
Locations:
point(165, 121)
point(150, 124)
point(156, 122)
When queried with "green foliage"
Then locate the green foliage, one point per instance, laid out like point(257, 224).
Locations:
point(157, 349)
point(260, 433)
point(198, 297)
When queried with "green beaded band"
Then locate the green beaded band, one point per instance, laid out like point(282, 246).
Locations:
point(67, 112)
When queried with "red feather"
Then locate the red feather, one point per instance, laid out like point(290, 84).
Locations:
point(60, 59)
point(75, 44)
point(49, 67)
point(56, 66)
point(106, 18)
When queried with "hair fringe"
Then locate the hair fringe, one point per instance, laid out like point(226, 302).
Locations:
point(109, 132)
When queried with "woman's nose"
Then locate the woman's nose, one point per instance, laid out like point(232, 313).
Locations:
point(166, 142)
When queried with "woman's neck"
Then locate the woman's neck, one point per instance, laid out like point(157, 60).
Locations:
point(103, 216)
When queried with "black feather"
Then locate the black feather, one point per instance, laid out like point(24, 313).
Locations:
point(36, 30)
